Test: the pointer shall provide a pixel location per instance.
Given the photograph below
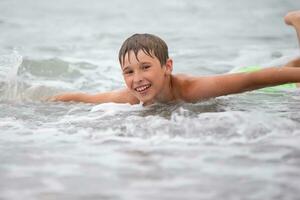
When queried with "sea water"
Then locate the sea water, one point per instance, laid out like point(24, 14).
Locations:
point(242, 146)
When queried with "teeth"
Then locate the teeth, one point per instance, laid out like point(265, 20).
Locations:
point(142, 88)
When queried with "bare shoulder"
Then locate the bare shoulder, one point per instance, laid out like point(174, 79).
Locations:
point(180, 81)
point(183, 86)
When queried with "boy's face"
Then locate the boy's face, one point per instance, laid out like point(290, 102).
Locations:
point(144, 75)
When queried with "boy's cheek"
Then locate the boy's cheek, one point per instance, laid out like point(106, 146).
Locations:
point(127, 82)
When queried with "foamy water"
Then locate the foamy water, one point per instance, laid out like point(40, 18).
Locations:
point(242, 146)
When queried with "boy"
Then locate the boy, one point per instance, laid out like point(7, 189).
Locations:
point(147, 71)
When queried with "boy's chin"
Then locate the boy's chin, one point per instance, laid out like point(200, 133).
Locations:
point(146, 99)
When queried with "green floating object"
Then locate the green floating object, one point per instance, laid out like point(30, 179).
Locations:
point(287, 86)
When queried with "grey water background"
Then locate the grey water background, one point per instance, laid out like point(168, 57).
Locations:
point(242, 146)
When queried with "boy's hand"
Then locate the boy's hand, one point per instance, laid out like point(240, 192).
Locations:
point(52, 98)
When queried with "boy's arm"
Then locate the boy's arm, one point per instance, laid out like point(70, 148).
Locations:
point(117, 96)
point(198, 88)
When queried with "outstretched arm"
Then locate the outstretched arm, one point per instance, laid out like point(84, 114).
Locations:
point(117, 96)
point(198, 88)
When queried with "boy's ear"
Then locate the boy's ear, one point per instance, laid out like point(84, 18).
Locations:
point(169, 66)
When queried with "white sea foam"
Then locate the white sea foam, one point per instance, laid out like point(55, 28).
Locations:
point(258, 56)
point(113, 108)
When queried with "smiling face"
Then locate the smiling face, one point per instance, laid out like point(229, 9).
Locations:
point(144, 75)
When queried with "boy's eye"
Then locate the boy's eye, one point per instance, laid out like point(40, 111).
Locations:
point(128, 72)
point(146, 66)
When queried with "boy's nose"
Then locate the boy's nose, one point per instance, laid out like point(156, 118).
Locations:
point(137, 77)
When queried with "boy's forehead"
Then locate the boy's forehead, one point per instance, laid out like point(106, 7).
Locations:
point(130, 57)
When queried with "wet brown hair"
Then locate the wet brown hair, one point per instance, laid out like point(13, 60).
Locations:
point(148, 43)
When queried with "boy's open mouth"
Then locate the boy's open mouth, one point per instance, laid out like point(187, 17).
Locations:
point(142, 88)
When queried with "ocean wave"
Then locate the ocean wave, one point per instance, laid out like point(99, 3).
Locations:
point(24, 78)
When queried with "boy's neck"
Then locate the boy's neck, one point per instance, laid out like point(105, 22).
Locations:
point(166, 94)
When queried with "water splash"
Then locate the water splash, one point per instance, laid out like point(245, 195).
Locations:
point(10, 85)
point(25, 79)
